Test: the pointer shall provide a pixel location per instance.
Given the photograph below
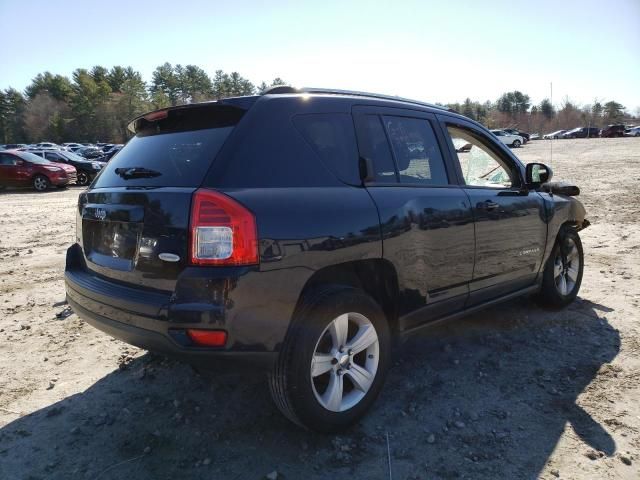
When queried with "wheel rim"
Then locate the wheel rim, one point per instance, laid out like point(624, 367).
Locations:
point(345, 362)
point(566, 267)
point(40, 183)
point(516, 143)
point(83, 179)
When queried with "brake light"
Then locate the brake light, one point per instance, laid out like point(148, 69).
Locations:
point(207, 338)
point(155, 116)
point(223, 232)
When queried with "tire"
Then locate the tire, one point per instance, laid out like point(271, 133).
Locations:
point(83, 179)
point(301, 388)
point(41, 183)
point(516, 144)
point(562, 276)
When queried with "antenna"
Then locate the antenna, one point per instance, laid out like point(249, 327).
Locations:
point(551, 142)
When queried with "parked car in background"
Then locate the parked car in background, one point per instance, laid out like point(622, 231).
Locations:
point(13, 146)
point(86, 169)
point(72, 146)
point(535, 136)
point(514, 141)
point(89, 152)
point(582, 132)
point(210, 253)
point(632, 132)
point(612, 131)
point(46, 145)
point(24, 169)
point(110, 153)
point(525, 136)
point(554, 135)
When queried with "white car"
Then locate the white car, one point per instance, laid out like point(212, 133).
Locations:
point(554, 135)
point(508, 139)
point(46, 145)
point(632, 132)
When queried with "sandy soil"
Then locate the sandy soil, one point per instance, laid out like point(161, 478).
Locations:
point(513, 392)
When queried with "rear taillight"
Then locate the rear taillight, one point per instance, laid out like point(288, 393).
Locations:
point(223, 232)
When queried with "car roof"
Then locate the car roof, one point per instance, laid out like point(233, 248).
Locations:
point(246, 102)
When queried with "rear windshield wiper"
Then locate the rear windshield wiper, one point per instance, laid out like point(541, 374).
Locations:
point(137, 172)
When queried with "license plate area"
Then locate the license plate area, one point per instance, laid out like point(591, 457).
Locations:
point(111, 235)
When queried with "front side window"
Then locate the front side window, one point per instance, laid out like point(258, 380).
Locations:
point(416, 151)
point(480, 166)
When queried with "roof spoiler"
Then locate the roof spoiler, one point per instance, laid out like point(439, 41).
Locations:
point(242, 103)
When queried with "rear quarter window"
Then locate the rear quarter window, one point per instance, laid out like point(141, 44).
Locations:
point(332, 138)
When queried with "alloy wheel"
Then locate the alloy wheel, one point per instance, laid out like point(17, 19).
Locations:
point(83, 178)
point(40, 183)
point(566, 267)
point(345, 362)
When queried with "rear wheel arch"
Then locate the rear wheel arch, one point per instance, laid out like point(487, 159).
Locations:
point(376, 277)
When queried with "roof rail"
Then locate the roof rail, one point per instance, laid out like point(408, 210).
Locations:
point(288, 89)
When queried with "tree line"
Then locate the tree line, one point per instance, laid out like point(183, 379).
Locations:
point(515, 110)
point(96, 104)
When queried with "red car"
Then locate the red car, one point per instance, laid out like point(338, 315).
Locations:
point(23, 169)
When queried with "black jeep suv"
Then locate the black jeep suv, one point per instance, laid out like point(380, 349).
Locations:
point(304, 229)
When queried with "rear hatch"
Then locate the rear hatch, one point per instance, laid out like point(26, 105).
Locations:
point(133, 224)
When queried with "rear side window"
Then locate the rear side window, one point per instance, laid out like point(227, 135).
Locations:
point(332, 138)
point(176, 151)
point(416, 151)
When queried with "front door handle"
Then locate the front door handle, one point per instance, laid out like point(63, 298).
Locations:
point(487, 205)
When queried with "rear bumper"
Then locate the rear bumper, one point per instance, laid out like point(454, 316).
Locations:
point(157, 342)
point(156, 322)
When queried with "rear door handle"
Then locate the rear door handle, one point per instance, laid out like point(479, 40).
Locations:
point(487, 205)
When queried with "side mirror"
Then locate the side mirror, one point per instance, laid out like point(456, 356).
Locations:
point(537, 174)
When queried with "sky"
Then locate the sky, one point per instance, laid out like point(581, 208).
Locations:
point(435, 51)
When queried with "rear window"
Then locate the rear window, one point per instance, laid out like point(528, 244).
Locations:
point(332, 137)
point(175, 151)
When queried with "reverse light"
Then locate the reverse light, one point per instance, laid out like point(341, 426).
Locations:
point(207, 338)
point(223, 232)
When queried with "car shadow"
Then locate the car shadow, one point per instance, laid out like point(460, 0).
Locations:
point(488, 396)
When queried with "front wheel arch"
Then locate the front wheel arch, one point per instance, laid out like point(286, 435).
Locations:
point(549, 295)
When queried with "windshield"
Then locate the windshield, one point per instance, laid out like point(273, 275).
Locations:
point(32, 157)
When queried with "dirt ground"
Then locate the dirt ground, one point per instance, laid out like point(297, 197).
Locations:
point(514, 392)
